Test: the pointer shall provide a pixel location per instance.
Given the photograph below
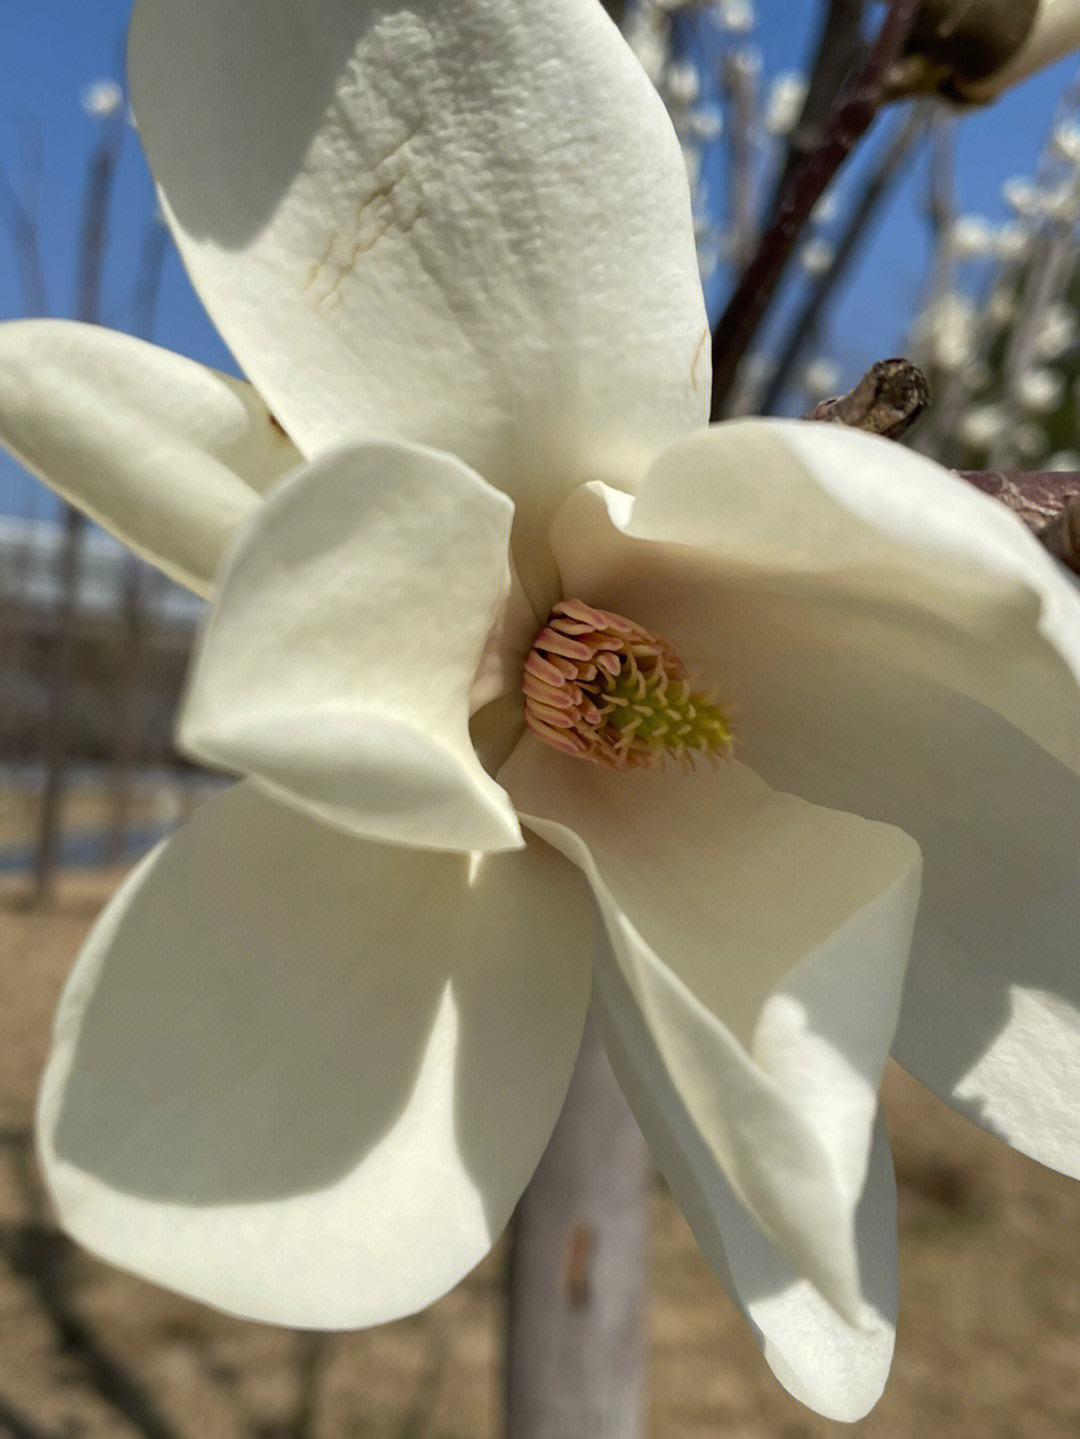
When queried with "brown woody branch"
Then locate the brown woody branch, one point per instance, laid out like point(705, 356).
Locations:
point(850, 120)
point(891, 396)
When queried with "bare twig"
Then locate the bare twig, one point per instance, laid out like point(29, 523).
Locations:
point(849, 121)
point(1048, 501)
point(839, 47)
point(889, 397)
point(1039, 497)
point(898, 151)
point(739, 83)
point(25, 238)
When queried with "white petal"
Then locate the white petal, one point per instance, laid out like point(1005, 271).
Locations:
point(337, 665)
point(466, 224)
point(834, 1367)
point(162, 451)
point(897, 645)
point(305, 1078)
point(759, 947)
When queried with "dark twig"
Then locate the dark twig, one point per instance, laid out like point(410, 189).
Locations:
point(839, 47)
point(877, 187)
point(889, 397)
point(850, 120)
point(1039, 497)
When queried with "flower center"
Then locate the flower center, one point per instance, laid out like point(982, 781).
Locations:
point(602, 688)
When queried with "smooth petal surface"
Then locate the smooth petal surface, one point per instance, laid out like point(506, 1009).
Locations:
point(836, 1368)
point(758, 951)
point(162, 451)
point(898, 646)
point(304, 1078)
point(337, 665)
point(461, 222)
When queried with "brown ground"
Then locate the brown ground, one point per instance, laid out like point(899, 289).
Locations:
point(989, 1342)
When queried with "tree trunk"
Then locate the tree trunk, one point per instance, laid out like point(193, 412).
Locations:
point(576, 1337)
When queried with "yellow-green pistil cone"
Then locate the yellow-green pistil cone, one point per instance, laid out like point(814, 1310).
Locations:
point(602, 688)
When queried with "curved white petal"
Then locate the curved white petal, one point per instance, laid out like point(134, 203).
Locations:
point(758, 952)
point(462, 223)
point(337, 665)
point(305, 1078)
point(836, 1368)
point(896, 645)
point(160, 450)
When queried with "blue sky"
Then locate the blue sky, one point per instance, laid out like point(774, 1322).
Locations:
point(52, 49)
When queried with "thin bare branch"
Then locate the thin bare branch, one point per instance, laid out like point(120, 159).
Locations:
point(839, 47)
point(889, 166)
point(852, 117)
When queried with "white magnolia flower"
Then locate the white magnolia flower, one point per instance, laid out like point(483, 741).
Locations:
point(317, 1042)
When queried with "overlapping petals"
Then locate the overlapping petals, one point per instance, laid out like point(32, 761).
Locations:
point(338, 664)
point(749, 997)
point(313, 1050)
point(466, 225)
point(900, 648)
point(167, 454)
point(305, 1078)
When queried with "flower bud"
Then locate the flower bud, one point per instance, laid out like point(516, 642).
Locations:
point(972, 50)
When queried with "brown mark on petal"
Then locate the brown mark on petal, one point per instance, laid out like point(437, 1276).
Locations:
point(388, 199)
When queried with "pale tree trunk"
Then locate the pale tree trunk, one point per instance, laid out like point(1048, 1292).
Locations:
point(576, 1332)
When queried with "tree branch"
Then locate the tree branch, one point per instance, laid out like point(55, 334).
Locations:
point(848, 123)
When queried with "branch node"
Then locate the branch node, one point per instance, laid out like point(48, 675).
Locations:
point(887, 400)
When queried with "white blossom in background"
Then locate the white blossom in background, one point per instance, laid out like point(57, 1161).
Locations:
point(102, 98)
point(1039, 390)
point(1057, 331)
point(737, 16)
point(948, 330)
point(1021, 195)
point(682, 84)
point(1066, 460)
point(971, 237)
point(784, 105)
point(457, 544)
point(1030, 440)
point(1066, 139)
point(705, 124)
point(983, 425)
point(816, 255)
point(1012, 240)
point(821, 378)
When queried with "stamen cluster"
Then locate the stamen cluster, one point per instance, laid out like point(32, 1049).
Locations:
point(602, 688)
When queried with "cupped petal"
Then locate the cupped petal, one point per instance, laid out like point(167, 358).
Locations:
point(758, 947)
point(337, 665)
point(304, 1077)
point(899, 646)
point(465, 224)
point(160, 450)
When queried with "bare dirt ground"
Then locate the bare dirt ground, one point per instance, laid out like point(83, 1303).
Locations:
point(989, 1341)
